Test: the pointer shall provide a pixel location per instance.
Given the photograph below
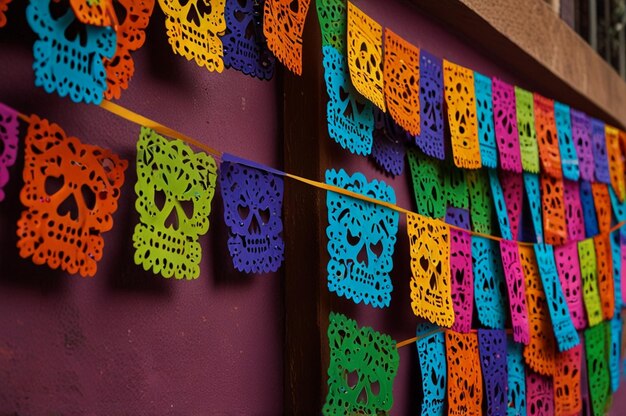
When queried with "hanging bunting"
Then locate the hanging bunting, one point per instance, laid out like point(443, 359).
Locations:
point(564, 331)
point(567, 151)
point(332, 17)
point(461, 271)
point(554, 222)
point(245, 46)
point(581, 136)
point(94, 12)
point(70, 194)
point(513, 188)
point(567, 398)
point(568, 268)
point(388, 147)
point(489, 287)
point(600, 157)
point(540, 353)
point(615, 328)
point(605, 274)
point(500, 204)
point(616, 163)
point(516, 379)
point(573, 211)
point(283, 25)
point(492, 347)
point(9, 125)
point(402, 82)
point(547, 137)
point(527, 134)
point(361, 239)
point(253, 201)
point(430, 258)
point(461, 106)
point(431, 139)
point(533, 195)
point(431, 353)
point(539, 394)
point(174, 188)
point(616, 257)
point(589, 212)
point(4, 7)
point(427, 185)
point(71, 67)
point(601, 198)
point(506, 126)
point(350, 117)
point(596, 343)
point(465, 384)
point(194, 28)
point(365, 55)
point(130, 37)
point(484, 115)
point(591, 294)
point(516, 289)
point(481, 205)
point(363, 363)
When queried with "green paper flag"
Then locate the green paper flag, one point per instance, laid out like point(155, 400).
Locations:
point(481, 204)
point(427, 185)
point(591, 295)
point(596, 343)
point(529, 149)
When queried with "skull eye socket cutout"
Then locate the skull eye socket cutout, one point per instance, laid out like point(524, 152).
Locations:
point(174, 188)
point(193, 29)
point(9, 125)
point(431, 139)
point(245, 46)
point(540, 394)
point(253, 201)
point(283, 25)
point(361, 239)
point(363, 365)
point(70, 194)
point(567, 398)
point(69, 55)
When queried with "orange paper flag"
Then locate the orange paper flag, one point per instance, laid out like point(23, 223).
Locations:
point(283, 25)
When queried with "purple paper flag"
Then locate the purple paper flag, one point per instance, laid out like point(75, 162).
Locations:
point(8, 139)
point(430, 140)
point(493, 361)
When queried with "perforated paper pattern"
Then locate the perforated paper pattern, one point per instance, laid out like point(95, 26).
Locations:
point(431, 140)
point(616, 256)
point(481, 204)
point(615, 353)
point(489, 285)
point(465, 383)
point(516, 287)
point(533, 195)
point(568, 267)
point(427, 184)
point(455, 187)
point(402, 81)
point(516, 379)
point(365, 55)
point(363, 365)
point(540, 353)
point(93, 12)
point(564, 331)
point(69, 65)
point(619, 208)
point(567, 150)
point(484, 115)
point(175, 187)
point(4, 7)
point(602, 202)
point(193, 30)
point(540, 394)
point(431, 353)
point(507, 136)
point(461, 106)
point(600, 155)
point(283, 25)
point(596, 344)
point(333, 18)
point(500, 204)
point(622, 239)
point(589, 212)
point(591, 294)
point(350, 116)
point(361, 239)
point(70, 194)
point(554, 222)
point(573, 211)
point(526, 126)
point(581, 136)
point(616, 162)
point(604, 268)
point(9, 125)
point(492, 347)
point(567, 397)
point(388, 148)
point(513, 188)
point(547, 136)
point(430, 256)
point(461, 270)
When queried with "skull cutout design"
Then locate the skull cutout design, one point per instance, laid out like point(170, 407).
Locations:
point(431, 352)
point(554, 222)
point(69, 55)
point(573, 211)
point(461, 271)
point(591, 294)
point(253, 201)
point(193, 29)
point(361, 239)
point(465, 381)
point(431, 139)
point(332, 17)
point(4, 6)
point(350, 116)
point(484, 115)
point(94, 12)
point(527, 133)
point(363, 365)
point(489, 287)
point(516, 287)
point(567, 399)
point(547, 137)
point(568, 268)
point(492, 348)
point(283, 25)
point(8, 143)
point(245, 47)
point(135, 17)
point(540, 394)
point(174, 188)
point(70, 194)
point(596, 344)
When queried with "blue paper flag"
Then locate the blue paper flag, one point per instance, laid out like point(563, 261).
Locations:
point(493, 362)
point(489, 286)
point(533, 194)
point(614, 355)
point(589, 210)
point(431, 353)
point(498, 199)
point(430, 140)
point(569, 159)
point(616, 256)
point(619, 208)
point(484, 114)
point(600, 156)
point(516, 394)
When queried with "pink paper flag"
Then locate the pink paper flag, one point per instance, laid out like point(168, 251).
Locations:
point(462, 279)
point(505, 118)
point(517, 290)
point(568, 267)
point(573, 211)
point(513, 187)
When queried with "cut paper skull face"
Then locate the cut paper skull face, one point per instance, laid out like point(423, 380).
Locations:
point(484, 116)
point(68, 55)
point(350, 117)
point(8, 143)
point(361, 239)
point(431, 352)
point(4, 6)
point(174, 190)
point(70, 194)
point(253, 202)
point(283, 25)
point(245, 47)
point(525, 112)
point(130, 37)
point(363, 365)
point(431, 139)
point(193, 29)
